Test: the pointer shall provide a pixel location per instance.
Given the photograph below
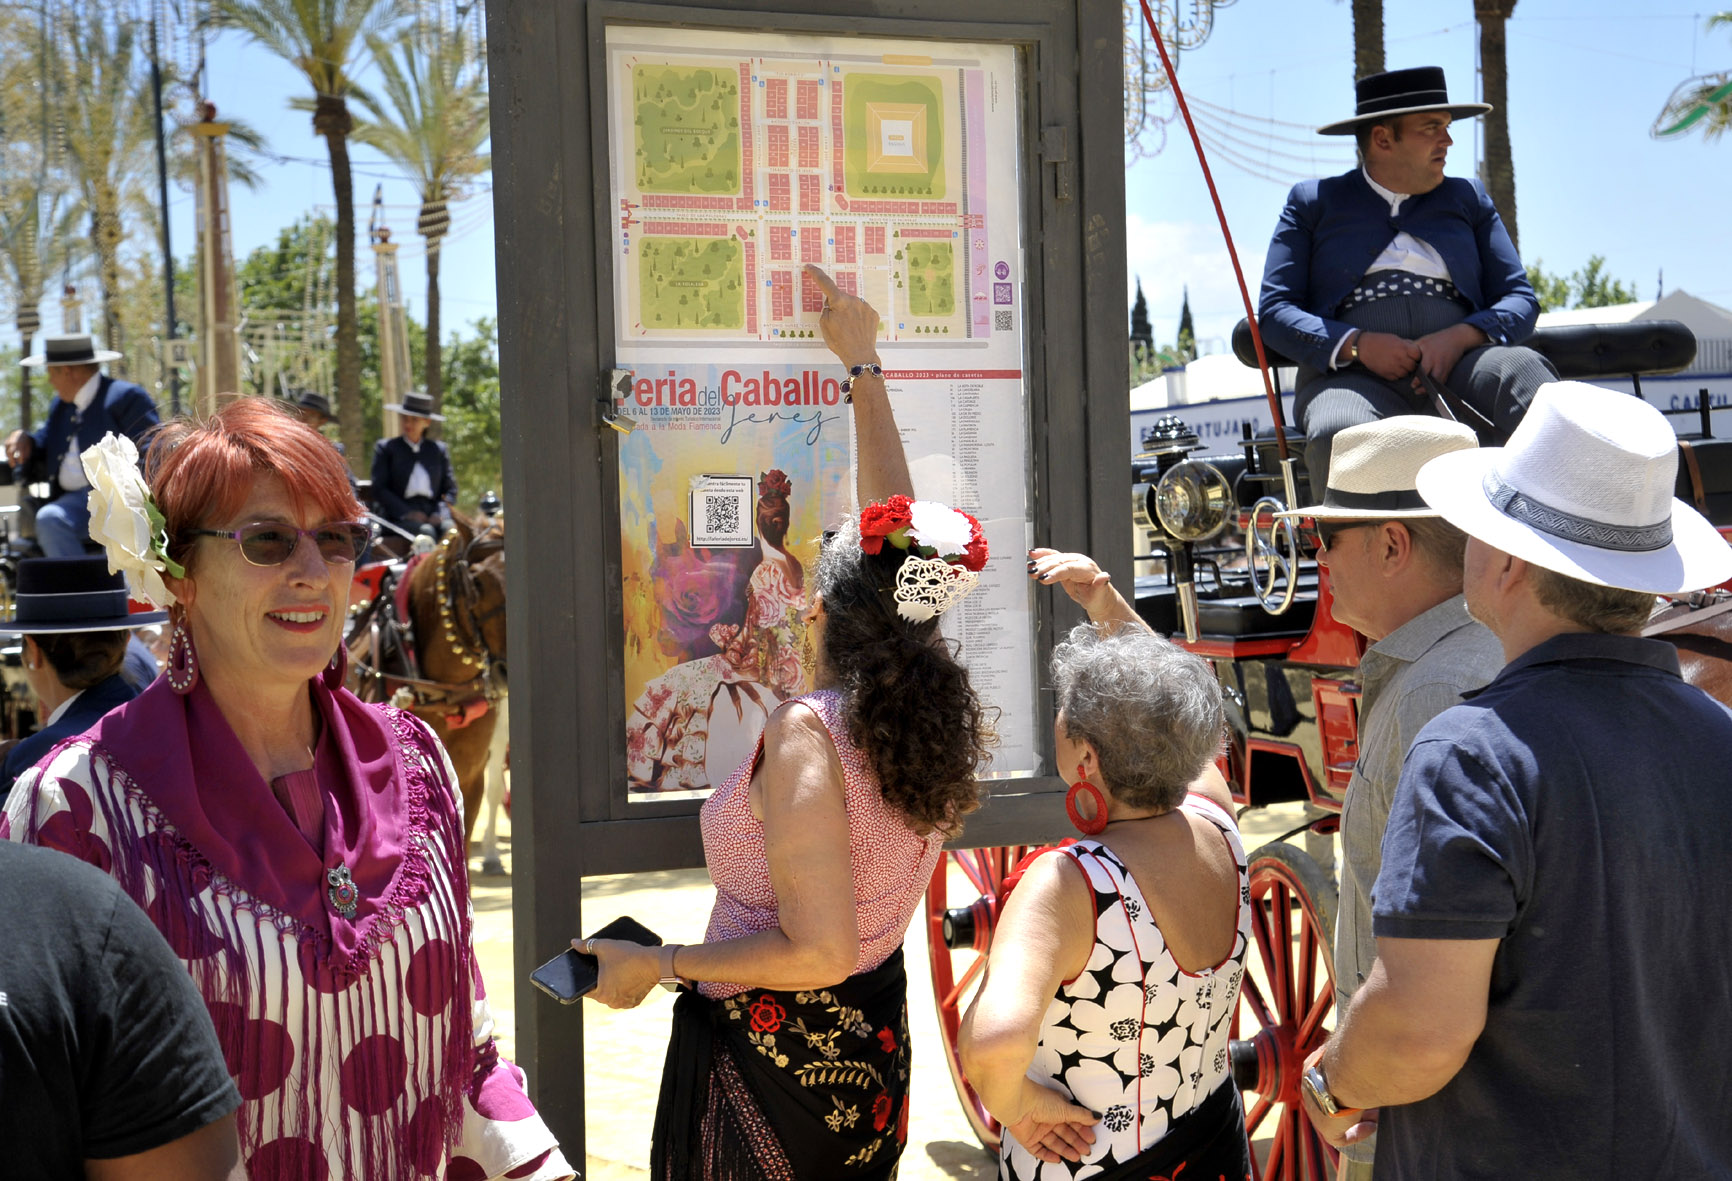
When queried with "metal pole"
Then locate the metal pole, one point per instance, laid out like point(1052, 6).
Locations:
point(162, 186)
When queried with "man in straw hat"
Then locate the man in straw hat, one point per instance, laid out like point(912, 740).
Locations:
point(1550, 992)
point(1393, 269)
point(1395, 577)
point(88, 405)
point(412, 477)
point(77, 627)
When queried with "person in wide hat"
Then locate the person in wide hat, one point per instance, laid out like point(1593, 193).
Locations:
point(413, 482)
point(1395, 576)
point(1394, 274)
point(76, 627)
point(1554, 886)
point(88, 405)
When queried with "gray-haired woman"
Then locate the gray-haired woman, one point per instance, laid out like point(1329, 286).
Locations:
point(1099, 1037)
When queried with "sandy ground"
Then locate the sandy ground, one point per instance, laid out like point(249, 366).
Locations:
point(617, 1045)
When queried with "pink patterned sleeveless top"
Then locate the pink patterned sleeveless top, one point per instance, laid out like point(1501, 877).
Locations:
point(892, 864)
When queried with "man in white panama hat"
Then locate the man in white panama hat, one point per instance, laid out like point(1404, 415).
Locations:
point(1550, 993)
point(1395, 577)
point(88, 405)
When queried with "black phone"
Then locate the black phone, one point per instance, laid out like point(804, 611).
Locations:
point(570, 975)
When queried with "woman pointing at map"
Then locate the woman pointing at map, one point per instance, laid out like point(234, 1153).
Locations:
point(789, 1055)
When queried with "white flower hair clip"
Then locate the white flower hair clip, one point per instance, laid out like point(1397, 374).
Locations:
point(126, 522)
point(946, 552)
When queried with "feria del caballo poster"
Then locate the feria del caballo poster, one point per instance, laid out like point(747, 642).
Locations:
point(736, 158)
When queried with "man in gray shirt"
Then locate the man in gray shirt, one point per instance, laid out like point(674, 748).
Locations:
point(1395, 573)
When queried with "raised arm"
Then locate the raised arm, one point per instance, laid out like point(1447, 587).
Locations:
point(850, 328)
point(1085, 582)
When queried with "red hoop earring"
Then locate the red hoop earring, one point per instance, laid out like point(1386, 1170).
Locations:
point(1096, 824)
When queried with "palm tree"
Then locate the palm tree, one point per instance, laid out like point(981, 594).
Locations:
point(1367, 38)
point(1703, 103)
point(37, 230)
point(434, 130)
point(322, 39)
point(105, 110)
point(1494, 70)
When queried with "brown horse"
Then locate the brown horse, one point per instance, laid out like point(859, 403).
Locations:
point(1704, 643)
point(456, 630)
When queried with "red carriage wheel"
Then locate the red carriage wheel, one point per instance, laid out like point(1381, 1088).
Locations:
point(957, 938)
point(1287, 997)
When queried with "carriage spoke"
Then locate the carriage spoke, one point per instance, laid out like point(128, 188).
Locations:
point(1259, 1110)
point(955, 994)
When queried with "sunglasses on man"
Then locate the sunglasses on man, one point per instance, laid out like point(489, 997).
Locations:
point(271, 543)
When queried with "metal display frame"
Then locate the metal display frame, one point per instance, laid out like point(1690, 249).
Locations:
point(547, 65)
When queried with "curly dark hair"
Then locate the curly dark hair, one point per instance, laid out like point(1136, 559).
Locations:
point(907, 699)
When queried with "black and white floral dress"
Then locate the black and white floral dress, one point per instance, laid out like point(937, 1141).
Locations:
point(1134, 1031)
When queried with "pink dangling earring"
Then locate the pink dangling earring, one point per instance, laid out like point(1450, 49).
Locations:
point(182, 672)
point(1096, 824)
point(337, 671)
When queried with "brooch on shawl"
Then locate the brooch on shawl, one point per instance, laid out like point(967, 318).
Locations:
point(342, 891)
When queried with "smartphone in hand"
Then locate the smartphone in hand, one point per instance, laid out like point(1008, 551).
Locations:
point(570, 975)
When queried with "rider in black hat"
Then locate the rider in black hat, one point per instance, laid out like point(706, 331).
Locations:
point(76, 626)
point(412, 478)
point(89, 405)
point(1394, 269)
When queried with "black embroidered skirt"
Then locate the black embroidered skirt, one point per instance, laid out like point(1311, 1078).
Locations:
point(778, 1086)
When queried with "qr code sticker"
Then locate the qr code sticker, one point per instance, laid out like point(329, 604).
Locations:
point(722, 512)
point(1001, 321)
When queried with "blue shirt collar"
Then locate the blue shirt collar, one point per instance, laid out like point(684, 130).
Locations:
point(1634, 650)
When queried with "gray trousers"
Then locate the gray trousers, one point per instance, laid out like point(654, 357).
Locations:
point(1497, 380)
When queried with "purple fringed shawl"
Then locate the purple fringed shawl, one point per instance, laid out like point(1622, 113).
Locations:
point(379, 1010)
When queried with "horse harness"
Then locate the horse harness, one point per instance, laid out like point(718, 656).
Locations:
point(391, 669)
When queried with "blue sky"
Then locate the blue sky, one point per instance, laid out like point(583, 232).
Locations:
point(1587, 78)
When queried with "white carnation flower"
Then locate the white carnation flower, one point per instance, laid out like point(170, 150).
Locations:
point(124, 520)
point(939, 527)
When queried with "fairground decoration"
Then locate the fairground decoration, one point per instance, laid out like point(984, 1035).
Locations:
point(737, 159)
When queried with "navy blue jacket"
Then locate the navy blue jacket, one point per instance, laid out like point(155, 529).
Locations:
point(81, 715)
point(394, 459)
point(1331, 232)
point(119, 406)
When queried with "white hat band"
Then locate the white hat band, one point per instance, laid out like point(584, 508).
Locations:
point(1517, 505)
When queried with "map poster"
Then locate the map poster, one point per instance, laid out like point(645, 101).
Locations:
point(736, 158)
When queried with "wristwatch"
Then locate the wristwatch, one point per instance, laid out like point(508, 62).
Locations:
point(1317, 1087)
point(669, 980)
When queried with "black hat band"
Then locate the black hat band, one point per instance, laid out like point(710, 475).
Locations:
point(1401, 500)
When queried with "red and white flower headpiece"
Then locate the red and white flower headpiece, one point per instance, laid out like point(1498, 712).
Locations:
point(946, 552)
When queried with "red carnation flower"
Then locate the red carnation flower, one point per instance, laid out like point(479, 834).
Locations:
point(878, 521)
point(974, 557)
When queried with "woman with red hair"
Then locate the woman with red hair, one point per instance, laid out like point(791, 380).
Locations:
point(302, 852)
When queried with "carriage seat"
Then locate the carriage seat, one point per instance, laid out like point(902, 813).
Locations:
point(1577, 351)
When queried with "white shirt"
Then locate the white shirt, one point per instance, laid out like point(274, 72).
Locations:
point(420, 483)
point(71, 469)
point(61, 709)
point(1404, 253)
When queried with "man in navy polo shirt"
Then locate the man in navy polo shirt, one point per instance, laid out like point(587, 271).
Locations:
point(88, 405)
point(1550, 994)
point(1394, 268)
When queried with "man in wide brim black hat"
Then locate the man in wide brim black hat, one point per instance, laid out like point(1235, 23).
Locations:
point(313, 407)
point(1393, 273)
point(413, 482)
point(79, 655)
point(88, 405)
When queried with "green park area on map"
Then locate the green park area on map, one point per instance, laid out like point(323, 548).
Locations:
point(931, 279)
point(688, 129)
point(691, 283)
point(893, 136)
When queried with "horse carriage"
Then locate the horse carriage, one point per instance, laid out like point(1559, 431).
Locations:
point(1260, 611)
point(427, 633)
